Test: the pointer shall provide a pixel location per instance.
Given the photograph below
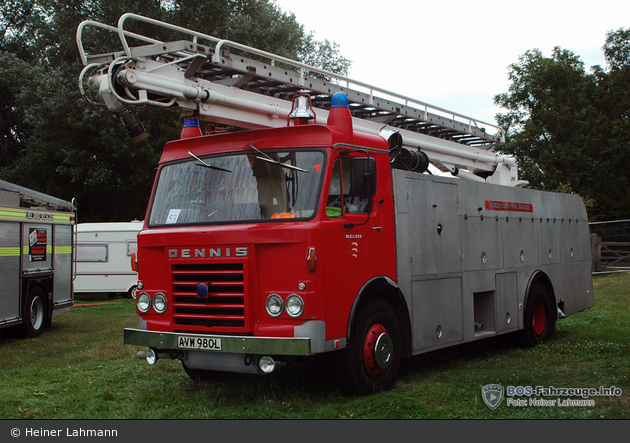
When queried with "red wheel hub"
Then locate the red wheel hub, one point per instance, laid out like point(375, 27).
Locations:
point(377, 350)
point(539, 316)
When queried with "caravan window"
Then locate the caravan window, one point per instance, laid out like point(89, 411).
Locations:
point(91, 252)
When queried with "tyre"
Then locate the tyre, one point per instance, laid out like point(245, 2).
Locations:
point(34, 315)
point(374, 354)
point(131, 293)
point(539, 316)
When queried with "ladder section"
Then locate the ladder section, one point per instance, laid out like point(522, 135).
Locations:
point(31, 198)
point(227, 82)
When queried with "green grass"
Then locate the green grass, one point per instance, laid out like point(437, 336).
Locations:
point(81, 369)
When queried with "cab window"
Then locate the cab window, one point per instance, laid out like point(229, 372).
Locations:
point(340, 198)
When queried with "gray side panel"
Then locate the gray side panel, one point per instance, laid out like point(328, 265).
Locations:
point(447, 228)
point(577, 287)
point(437, 312)
point(507, 302)
point(63, 265)
point(9, 270)
point(548, 242)
point(482, 243)
point(493, 239)
point(432, 243)
point(429, 258)
point(422, 235)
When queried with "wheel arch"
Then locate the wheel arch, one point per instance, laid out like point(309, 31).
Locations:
point(384, 288)
point(542, 277)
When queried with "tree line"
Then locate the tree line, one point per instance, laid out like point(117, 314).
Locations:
point(53, 141)
point(568, 128)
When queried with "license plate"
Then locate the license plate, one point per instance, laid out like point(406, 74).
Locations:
point(186, 342)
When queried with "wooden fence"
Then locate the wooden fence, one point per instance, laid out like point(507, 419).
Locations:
point(609, 256)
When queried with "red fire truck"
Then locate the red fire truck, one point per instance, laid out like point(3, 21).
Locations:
point(329, 225)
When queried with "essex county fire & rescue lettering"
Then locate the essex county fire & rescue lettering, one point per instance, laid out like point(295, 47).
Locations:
point(41, 216)
point(509, 206)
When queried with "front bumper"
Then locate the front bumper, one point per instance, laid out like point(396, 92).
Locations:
point(297, 346)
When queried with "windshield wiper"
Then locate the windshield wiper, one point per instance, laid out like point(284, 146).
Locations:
point(268, 159)
point(206, 165)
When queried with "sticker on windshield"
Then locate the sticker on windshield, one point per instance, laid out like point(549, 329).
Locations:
point(173, 215)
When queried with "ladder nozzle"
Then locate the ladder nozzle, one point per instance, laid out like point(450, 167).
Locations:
point(133, 126)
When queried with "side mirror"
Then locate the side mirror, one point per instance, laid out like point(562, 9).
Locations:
point(363, 177)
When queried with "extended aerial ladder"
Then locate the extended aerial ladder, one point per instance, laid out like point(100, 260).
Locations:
point(229, 83)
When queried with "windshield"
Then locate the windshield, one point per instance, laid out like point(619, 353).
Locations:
point(234, 188)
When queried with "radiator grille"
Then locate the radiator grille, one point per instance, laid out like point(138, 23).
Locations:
point(222, 310)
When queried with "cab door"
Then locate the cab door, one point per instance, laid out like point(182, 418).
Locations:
point(353, 243)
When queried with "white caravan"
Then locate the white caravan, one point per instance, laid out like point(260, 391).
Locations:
point(103, 257)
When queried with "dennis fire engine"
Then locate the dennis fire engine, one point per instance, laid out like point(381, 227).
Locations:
point(320, 229)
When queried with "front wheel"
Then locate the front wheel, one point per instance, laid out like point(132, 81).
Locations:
point(539, 316)
point(374, 355)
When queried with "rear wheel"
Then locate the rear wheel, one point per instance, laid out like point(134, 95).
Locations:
point(539, 316)
point(34, 315)
point(374, 355)
point(131, 293)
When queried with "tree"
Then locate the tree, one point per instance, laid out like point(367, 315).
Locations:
point(613, 103)
point(13, 129)
point(549, 112)
point(568, 129)
point(54, 142)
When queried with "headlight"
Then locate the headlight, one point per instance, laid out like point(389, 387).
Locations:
point(159, 303)
point(295, 305)
point(143, 302)
point(274, 305)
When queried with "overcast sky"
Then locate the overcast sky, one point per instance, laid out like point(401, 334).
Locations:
point(455, 54)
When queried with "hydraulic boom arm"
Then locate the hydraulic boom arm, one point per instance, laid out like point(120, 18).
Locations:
point(225, 82)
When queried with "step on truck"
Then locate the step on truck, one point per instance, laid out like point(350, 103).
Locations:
point(36, 242)
point(346, 219)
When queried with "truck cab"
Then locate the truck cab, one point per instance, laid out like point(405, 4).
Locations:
point(264, 240)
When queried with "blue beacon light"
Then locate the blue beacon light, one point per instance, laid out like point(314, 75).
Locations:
point(339, 100)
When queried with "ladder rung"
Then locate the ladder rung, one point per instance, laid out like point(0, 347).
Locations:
point(280, 81)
